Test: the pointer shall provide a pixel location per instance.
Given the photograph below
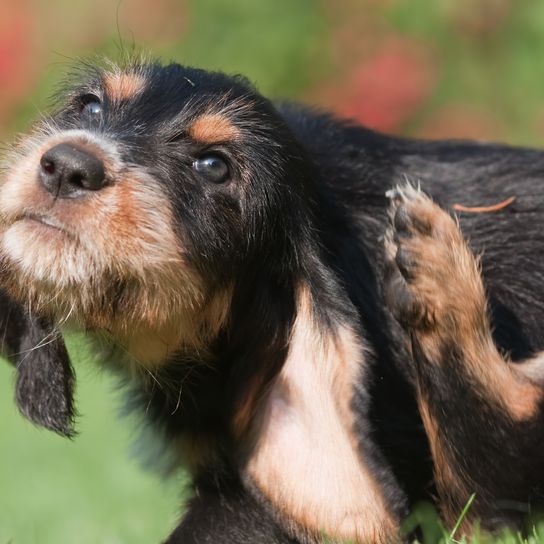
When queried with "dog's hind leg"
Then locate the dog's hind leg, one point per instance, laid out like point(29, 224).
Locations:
point(484, 416)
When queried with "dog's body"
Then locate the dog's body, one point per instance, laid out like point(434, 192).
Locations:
point(250, 300)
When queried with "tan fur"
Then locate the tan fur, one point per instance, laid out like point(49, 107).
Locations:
point(122, 85)
point(533, 368)
point(305, 458)
point(213, 128)
point(120, 236)
point(448, 290)
point(151, 346)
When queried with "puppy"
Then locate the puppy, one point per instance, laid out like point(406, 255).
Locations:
point(173, 215)
point(483, 413)
point(226, 255)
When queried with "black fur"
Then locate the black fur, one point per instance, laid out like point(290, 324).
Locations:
point(231, 514)
point(45, 378)
point(312, 209)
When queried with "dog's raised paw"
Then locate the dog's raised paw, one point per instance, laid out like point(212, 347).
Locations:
point(423, 270)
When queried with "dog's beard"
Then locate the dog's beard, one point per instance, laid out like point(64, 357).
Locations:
point(149, 316)
point(70, 287)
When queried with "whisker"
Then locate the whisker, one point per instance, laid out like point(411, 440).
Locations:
point(41, 344)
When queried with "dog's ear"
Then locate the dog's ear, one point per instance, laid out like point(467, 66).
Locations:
point(45, 378)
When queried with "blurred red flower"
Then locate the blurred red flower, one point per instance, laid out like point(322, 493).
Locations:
point(17, 59)
point(385, 91)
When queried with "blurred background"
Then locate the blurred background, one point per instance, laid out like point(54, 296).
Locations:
point(426, 68)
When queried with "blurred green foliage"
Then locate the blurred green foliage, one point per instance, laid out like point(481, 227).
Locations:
point(493, 63)
point(270, 42)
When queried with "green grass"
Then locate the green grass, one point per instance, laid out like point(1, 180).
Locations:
point(425, 518)
point(88, 491)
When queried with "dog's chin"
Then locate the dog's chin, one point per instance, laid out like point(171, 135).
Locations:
point(47, 271)
point(40, 251)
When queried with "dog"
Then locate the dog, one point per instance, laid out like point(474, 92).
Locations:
point(226, 255)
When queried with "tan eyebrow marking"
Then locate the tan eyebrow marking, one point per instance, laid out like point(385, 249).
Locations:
point(213, 127)
point(123, 86)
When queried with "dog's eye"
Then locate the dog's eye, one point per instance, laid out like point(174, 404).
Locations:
point(91, 106)
point(212, 167)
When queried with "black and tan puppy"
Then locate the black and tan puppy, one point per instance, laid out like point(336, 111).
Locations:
point(483, 413)
point(173, 215)
point(226, 255)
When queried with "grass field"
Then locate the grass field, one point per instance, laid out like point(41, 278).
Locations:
point(89, 491)
point(425, 519)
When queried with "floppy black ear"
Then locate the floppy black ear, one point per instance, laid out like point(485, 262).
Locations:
point(45, 378)
point(12, 326)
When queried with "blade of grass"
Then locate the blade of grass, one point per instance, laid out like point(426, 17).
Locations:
point(462, 516)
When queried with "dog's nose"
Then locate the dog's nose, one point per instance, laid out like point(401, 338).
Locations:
point(68, 171)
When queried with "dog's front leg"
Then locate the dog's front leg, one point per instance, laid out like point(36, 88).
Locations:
point(223, 512)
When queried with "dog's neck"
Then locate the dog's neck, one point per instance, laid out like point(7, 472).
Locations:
point(148, 346)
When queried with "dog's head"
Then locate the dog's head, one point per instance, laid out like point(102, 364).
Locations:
point(133, 207)
point(136, 206)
